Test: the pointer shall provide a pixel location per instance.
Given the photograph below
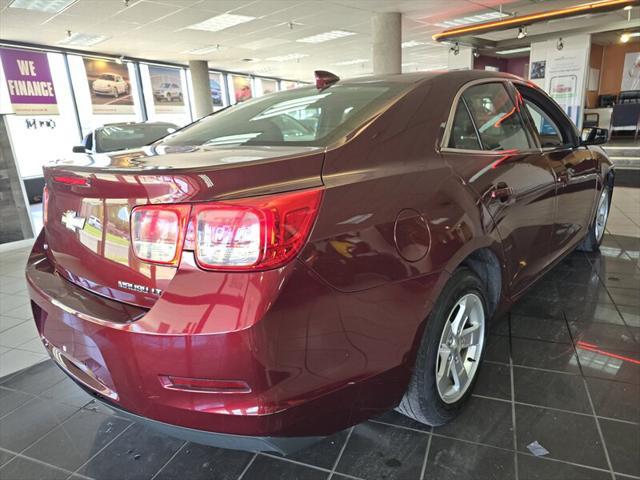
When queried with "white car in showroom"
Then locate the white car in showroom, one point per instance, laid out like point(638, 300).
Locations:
point(110, 84)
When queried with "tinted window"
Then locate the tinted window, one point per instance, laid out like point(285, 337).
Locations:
point(304, 116)
point(463, 133)
point(548, 131)
point(496, 117)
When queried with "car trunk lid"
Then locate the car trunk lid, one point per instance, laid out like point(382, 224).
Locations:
point(90, 199)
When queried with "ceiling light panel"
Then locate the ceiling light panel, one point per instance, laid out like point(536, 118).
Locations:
point(326, 36)
point(221, 22)
point(513, 50)
point(204, 50)
point(286, 58)
point(483, 17)
point(49, 6)
point(82, 40)
point(412, 43)
point(352, 62)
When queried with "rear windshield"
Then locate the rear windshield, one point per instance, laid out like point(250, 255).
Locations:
point(122, 137)
point(304, 116)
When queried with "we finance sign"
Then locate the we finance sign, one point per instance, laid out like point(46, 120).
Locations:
point(29, 82)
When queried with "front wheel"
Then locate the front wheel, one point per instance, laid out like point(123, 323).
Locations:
point(450, 353)
point(592, 241)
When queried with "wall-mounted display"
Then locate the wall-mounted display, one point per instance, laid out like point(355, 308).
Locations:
point(168, 96)
point(217, 94)
point(538, 69)
point(109, 85)
point(241, 88)
point(631, 72)
point(29, 82)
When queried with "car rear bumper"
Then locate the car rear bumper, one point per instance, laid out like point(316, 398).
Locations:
point(307, 371)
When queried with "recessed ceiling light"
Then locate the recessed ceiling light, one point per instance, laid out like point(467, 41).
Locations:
point(221, 22)
point(513, 50)
point(412, 43)
point(483, 17)
point(285, 58)
point(352, 62)
point(82, 39)
point(326, 36)
point(204, 50)
point(49, 6)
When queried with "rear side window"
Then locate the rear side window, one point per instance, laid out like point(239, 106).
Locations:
point(496, 117)
point(463, 133)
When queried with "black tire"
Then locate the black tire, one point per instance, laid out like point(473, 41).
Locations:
point(591, 242)
point(422, 402)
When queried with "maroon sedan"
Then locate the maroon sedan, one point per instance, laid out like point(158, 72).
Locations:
point(298, 263)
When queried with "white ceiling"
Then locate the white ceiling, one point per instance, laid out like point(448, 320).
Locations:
point(156, 30)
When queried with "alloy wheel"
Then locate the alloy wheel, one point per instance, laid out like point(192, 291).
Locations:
point(460, 348)
point(602, 214)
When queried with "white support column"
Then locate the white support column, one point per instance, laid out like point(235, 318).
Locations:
point(201, 90)
point(387, 39)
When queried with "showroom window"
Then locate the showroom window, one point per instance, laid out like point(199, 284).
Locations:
point(165, 94)
point(496, 117)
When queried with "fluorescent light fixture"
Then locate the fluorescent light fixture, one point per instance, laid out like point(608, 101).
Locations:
point(412, 43)
point(286, 58)
point(221, 22)
point(82, 39)
point(483, 17)
point(48, 6)
point(204, 50)
point(352, 62)
point(326, 36)
point(513, 50)
point(625, 37)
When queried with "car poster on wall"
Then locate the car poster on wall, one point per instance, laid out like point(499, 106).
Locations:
point(288, 85)
point(267, 86)
point(168, 96)
point(217, 95)
point(241, 88)
point(29, 82)
point(110, 86)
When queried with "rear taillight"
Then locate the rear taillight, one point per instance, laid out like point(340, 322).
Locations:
point(248, 234)
point(254, 233)
point(157, 232)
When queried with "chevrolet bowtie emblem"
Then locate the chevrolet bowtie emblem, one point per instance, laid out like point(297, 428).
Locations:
point(72, 221)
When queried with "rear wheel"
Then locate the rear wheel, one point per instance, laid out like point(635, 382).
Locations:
point(449, 356)
point(594, 237)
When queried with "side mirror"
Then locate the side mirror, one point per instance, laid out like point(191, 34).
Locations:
point(79, 149)
point(594, 136)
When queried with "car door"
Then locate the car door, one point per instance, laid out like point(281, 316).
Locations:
point(491, 148)
point(575, 170)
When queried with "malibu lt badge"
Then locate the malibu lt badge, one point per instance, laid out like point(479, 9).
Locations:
point(138, 288)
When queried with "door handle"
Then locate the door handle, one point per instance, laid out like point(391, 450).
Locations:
point(501, 192)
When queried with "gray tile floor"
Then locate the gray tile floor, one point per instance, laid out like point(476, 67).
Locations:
point(561, 369)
